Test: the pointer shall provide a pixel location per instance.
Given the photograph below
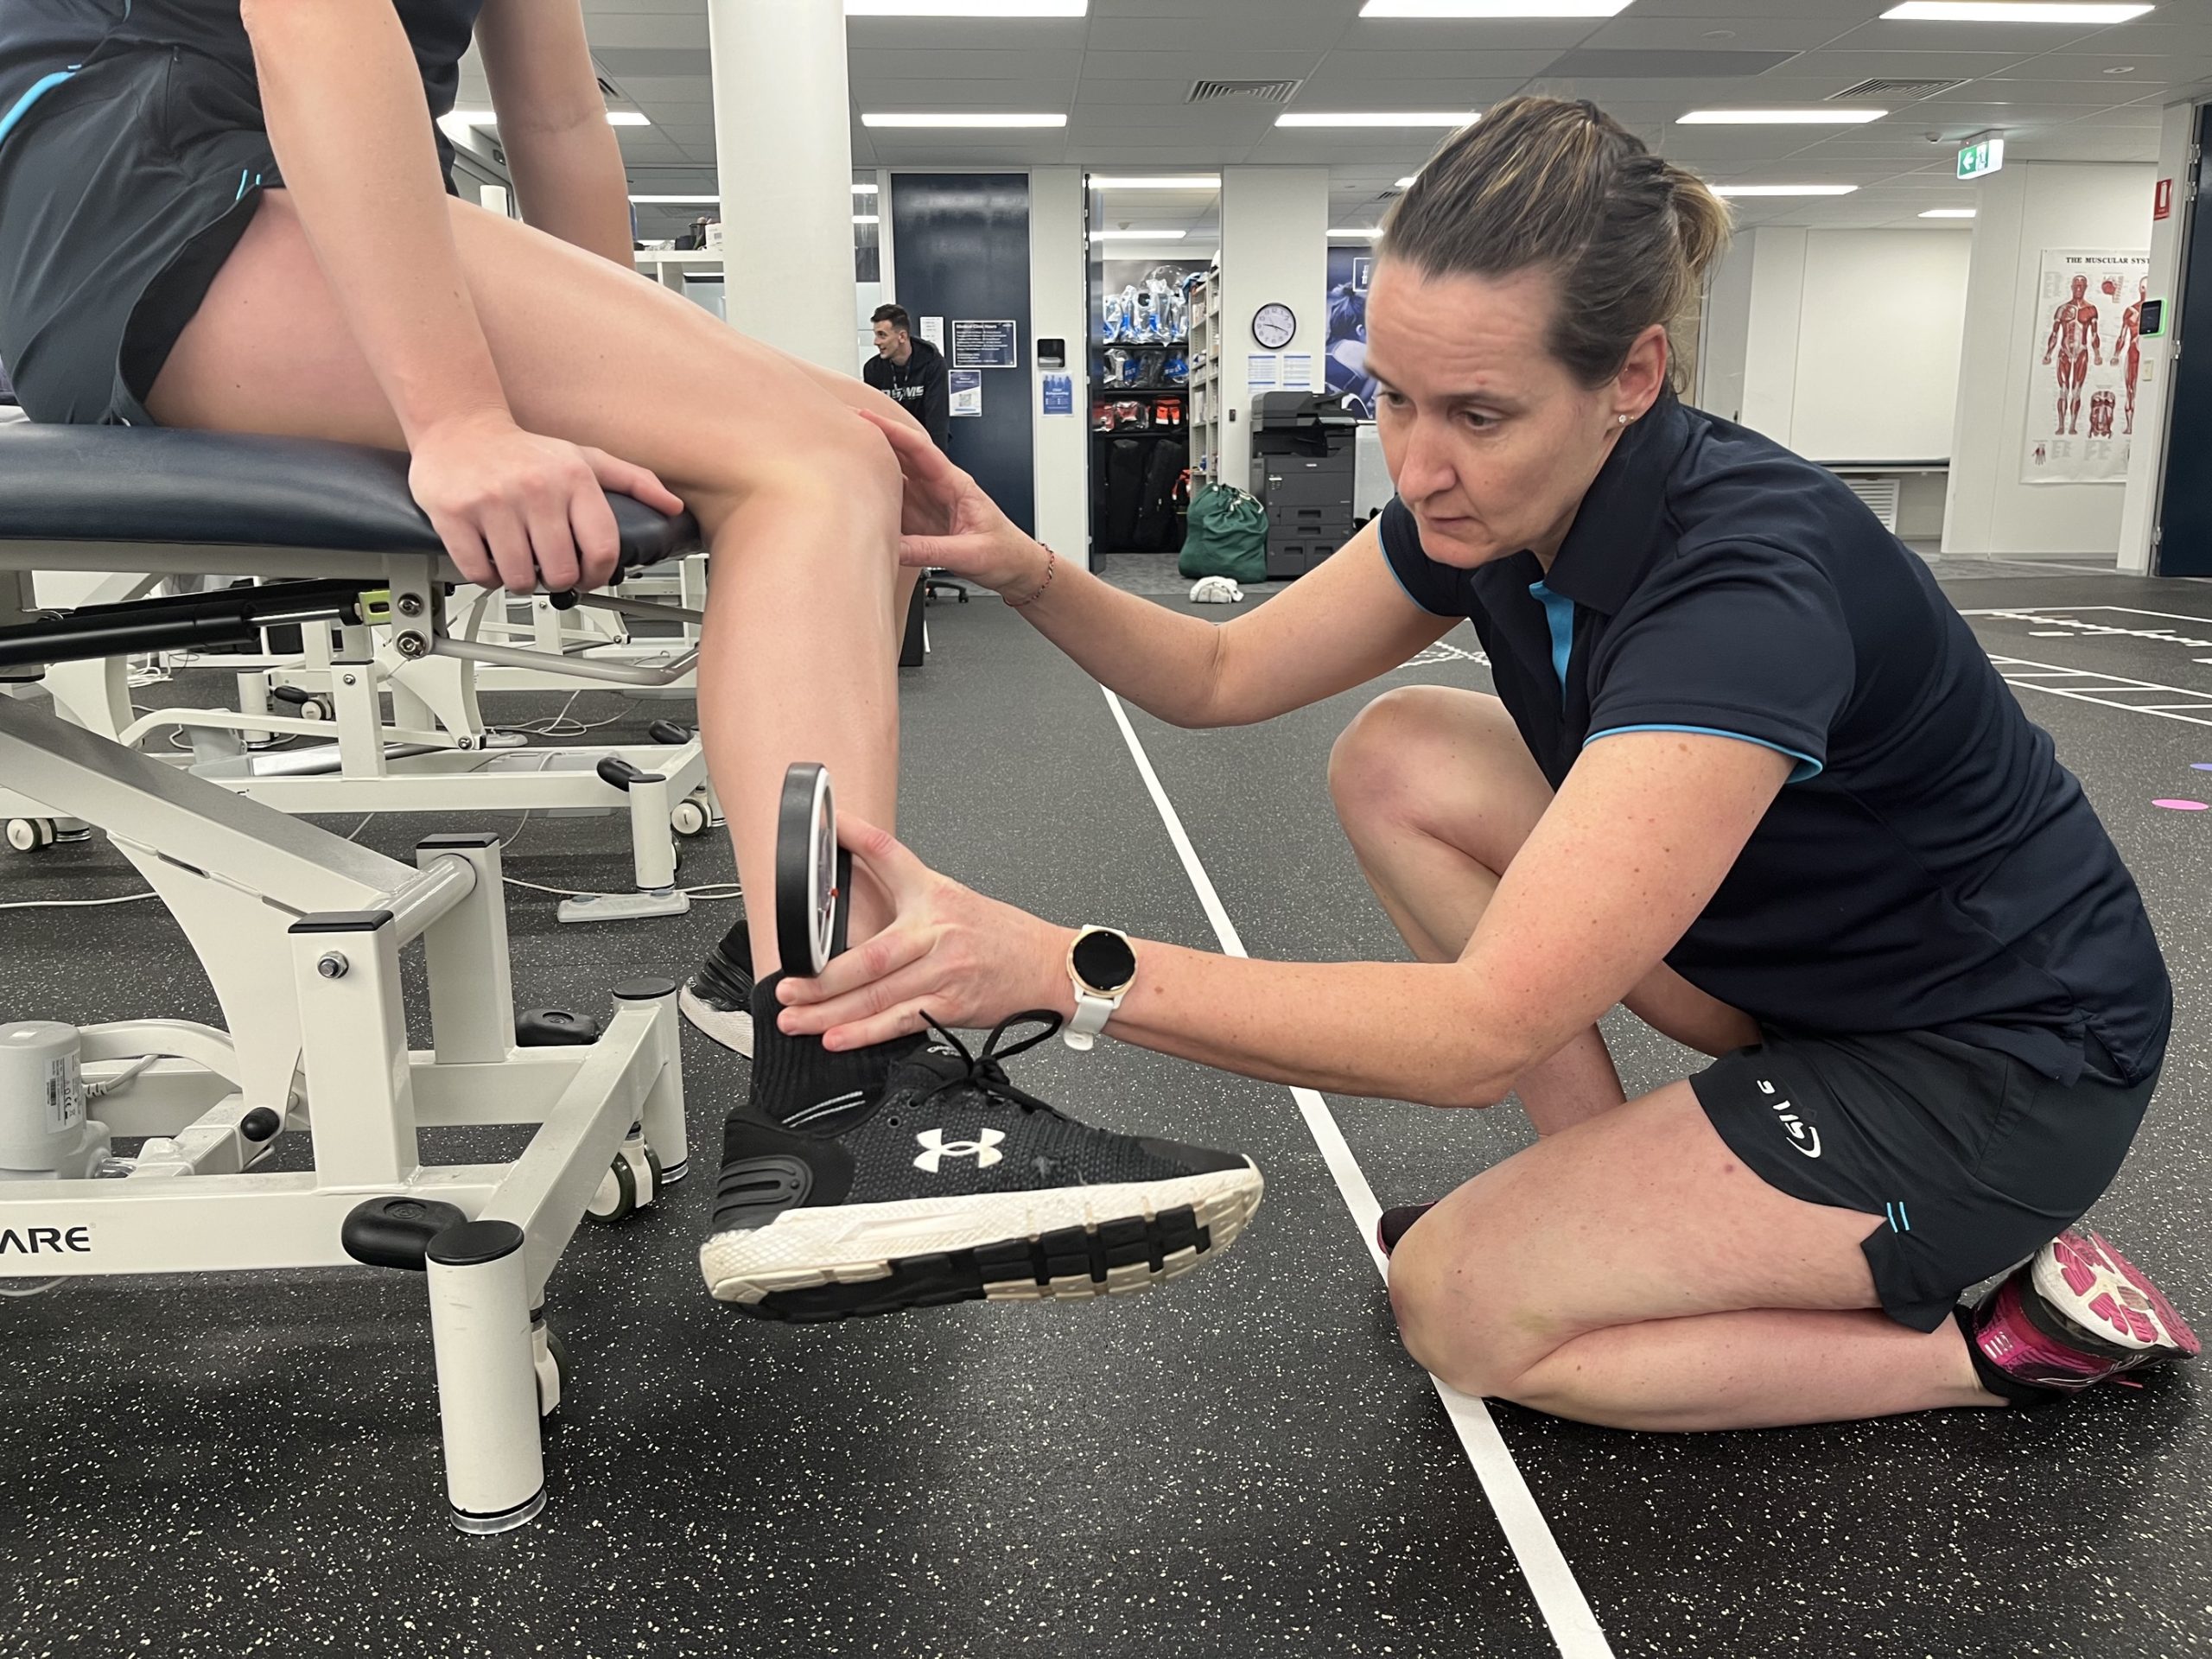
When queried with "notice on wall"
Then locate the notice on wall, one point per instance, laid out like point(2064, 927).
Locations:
point(933, 331)
point(966, 386)
point(986, 345)
point(1059, 394)
point(1263, 371)
point(2085, 333)
point(1298, 371)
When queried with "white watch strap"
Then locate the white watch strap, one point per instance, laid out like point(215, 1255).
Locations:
point(1091, 1013)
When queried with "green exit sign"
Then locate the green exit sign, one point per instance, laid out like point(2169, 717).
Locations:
point(1986, 156)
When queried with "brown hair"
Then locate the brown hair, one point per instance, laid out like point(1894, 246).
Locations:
point(1559, 184)
point(895, 315)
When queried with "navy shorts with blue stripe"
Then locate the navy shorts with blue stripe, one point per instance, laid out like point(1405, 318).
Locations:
point(1969, 1160)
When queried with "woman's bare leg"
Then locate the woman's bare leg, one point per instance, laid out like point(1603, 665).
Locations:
point(1632, 1272)
point(799, 498)
point(1437, 792)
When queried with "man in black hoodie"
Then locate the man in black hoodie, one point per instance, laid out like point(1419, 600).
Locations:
point(912, 370)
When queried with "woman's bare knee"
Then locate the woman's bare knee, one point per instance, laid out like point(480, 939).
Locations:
point(1469, 1330)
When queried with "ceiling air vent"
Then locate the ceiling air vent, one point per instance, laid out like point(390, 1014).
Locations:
point(1264, 91)
point(1895, 89)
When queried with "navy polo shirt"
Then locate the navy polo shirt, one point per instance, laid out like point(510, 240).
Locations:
point(1929, 866)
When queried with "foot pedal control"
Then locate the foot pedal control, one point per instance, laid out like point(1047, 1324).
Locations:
point(396, 1232)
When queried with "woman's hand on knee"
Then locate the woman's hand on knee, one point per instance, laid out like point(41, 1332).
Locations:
point(517, 509)
point(950, 523)
point(949, 953)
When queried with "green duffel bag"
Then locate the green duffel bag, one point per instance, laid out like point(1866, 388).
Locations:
point(1227, 537)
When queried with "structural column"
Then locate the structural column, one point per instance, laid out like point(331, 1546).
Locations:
point(784, 152)
point(1274, 248)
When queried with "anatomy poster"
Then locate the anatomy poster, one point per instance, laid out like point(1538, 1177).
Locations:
point(2087, 352)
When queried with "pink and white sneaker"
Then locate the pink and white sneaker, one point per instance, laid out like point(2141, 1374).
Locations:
point(2076, 1315)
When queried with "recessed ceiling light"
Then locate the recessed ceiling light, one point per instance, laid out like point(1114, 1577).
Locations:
point(1948, 213)
point(1784, 189)
point(2010, 11)
point(966, 119)
point(626, 119)
point(1493, 8)
point(1138, 235)
point(967, 7)
point(1376, 118)
point(1367, 234)
point(1188, 181)
point(868, 218)
point(866, 189)
point(1406, 183)
point(1779, 117)
point(678, 202)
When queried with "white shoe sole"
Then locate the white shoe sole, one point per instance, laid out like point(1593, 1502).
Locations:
point(732, 1029)
point(2092, 1285)
point(857, 1244)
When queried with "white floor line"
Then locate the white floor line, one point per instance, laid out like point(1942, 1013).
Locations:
point(1574, 1628)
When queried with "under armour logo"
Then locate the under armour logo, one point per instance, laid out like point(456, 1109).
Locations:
point(935, 1149)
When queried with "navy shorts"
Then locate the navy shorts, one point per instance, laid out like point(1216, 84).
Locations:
point(1972, 1160)
point(122, 192)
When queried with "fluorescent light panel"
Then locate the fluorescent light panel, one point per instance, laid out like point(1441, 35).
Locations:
point(1408, 183)
point(1493, 8)
point(1192, 182)
point(1138, 235)
point(1376, 118)
point(968, 119)
point(1948, 213)
point(866, 189)
point(2009, 11)
point(1784, 189)
point(868, 218)
point(967, 7)
point(1779, 117)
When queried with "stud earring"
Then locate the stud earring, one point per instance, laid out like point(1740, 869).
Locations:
point(1624, 420)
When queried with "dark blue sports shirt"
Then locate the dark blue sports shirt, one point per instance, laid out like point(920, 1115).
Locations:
point(1929, 866)
point(44, 42)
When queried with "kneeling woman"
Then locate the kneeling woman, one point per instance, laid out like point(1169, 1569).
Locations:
point(1746, 770)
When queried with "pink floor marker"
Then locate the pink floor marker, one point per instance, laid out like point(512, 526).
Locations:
point(2184, 806)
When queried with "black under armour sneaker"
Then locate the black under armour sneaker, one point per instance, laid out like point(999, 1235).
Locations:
point(718, 999)
point(916, 1174)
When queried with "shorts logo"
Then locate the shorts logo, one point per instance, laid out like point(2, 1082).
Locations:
point(1802, 1135)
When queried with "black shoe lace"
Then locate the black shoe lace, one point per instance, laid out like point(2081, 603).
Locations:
point(984, 1072)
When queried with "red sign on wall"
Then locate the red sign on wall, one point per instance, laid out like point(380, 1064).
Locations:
point(2162, 199)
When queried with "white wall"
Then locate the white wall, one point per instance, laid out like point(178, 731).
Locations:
point(2027, 208)
point(1059, 306)
point(1725, 335)
point(1274, 245)
point(2147, 460)
point(1850, 340)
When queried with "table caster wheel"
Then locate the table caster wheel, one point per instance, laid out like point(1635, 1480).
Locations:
point(30, 835)
point(813, 874)
point(617, 1197)
point(690, 818)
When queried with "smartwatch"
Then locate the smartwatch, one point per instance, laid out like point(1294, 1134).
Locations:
point(1102, 967)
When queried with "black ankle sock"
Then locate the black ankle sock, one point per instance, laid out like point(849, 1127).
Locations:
point(2011, 1390)
point(790, 1073)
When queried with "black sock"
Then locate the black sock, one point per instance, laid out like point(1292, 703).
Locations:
point(793, 1073)
point(2010, 1389)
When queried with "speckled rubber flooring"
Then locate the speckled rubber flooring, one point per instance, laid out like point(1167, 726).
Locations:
point(1243, 1464)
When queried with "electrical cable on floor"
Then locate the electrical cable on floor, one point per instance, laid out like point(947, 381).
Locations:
point(76, 904)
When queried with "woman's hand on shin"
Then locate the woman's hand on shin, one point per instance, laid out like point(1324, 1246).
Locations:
point(949, 954)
